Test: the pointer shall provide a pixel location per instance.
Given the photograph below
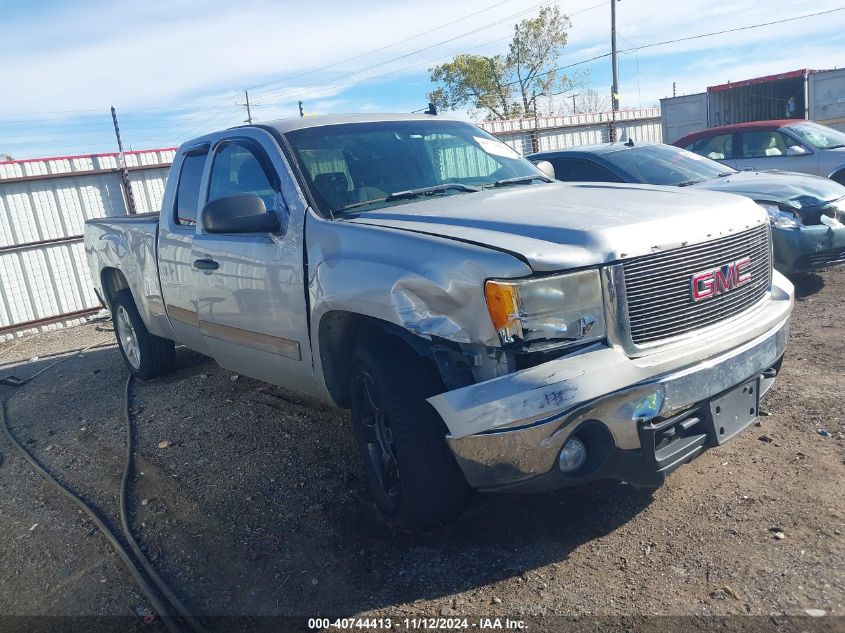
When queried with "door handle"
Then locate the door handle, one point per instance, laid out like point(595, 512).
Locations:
point(206, 264)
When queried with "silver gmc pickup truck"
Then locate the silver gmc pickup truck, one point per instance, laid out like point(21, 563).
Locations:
point(488, 328)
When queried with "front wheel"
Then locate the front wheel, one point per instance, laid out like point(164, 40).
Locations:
point(411, 473)
point(146, 355)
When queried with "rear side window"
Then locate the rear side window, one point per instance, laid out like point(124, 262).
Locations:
point(580, 170)
point(188, 190)
point(717, 147)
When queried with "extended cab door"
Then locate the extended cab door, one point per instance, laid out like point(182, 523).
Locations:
point(250, 287)
point(177, 229)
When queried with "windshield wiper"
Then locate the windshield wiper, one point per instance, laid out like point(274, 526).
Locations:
point(413, 193)
point(725, 174)
point(427, 191)
point(520, 180)
point(838, 146)
point(693, 181)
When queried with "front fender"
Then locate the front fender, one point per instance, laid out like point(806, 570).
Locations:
point(428, 285)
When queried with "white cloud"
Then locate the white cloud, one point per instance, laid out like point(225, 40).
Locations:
point(194, 57)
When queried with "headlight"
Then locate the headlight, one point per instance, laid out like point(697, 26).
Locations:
point(547, 312)
point(780, 218)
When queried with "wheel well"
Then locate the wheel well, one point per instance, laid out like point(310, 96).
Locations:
point(341, 332)
point(839, 176)
point(112, 282)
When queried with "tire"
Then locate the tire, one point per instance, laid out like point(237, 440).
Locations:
point(146, 355)
point(411, 473)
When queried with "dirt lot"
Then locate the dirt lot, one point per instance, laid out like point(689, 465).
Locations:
point(257, 506)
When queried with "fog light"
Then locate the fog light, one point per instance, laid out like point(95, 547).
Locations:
point(572, 456)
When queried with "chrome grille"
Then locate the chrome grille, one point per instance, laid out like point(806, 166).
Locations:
point(658, 290)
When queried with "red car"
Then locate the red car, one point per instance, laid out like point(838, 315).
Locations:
point(787, 145)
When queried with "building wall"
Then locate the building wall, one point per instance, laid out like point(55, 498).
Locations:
point(560, 132)
point(44, 278)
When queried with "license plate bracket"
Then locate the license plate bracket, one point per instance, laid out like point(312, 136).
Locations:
point(735, 410)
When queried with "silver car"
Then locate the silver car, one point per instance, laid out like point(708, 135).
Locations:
point(788, 145)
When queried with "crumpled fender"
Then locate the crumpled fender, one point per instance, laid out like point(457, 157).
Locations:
point(431, 286)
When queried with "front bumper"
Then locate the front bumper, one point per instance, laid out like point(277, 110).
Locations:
point(808, 248)
point(507, 433)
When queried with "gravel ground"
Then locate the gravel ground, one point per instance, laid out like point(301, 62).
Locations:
point(257, 505)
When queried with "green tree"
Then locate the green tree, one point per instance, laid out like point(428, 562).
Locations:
point(507, 85)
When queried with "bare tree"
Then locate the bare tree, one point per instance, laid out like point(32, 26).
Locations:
point(592, 101)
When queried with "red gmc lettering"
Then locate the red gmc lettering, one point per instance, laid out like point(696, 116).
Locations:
point(709, 283)
point(703, 286)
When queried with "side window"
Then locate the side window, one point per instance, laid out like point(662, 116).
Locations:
point(580, 170)
point(237, 171)
point(188, 190)
point(764, 144)
point(717, 147)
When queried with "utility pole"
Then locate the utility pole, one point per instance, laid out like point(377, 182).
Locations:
point(248, 110)
point(124, 171)
point(574, 107)
point(535, 138)
point(301, 113)
point(614, 90)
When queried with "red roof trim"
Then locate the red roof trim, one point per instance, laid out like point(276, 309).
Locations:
point(794, 74)
point(134, 151)
point(735, 127)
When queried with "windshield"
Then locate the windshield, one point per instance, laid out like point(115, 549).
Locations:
point(666, 165)
point(355, 167)
point(819, 136)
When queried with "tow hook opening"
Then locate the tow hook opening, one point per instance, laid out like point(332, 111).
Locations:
point(586, 450)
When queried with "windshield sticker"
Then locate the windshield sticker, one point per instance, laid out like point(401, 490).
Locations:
point(497, 148)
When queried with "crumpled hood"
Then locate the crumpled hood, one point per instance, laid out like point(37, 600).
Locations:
point(782, 187)
point(557, 226)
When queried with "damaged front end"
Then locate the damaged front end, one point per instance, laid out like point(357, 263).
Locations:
point(809, 237)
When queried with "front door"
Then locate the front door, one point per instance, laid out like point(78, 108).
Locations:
point(768, 149)
point(250, 287)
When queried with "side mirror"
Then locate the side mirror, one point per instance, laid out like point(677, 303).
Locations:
point(546, 167)
point(239, 214)
point(796, 150)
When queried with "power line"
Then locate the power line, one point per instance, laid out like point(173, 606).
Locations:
point(288, 91)
point(383, 48)
point(734, 30)
point(275, 97)
point(681, 39)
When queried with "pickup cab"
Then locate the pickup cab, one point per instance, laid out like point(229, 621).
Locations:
point(488, 328)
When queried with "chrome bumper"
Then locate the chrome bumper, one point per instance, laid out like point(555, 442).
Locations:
point(509, 431)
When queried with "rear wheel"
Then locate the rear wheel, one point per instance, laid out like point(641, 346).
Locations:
point(411, 473)
point(146, 355)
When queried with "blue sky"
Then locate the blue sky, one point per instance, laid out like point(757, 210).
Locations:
point(177, 69)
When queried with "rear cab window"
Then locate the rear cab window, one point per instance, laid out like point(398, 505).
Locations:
point(188, 189)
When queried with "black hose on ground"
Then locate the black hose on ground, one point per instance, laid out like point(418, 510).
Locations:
point(183, 612)
point(143, 583)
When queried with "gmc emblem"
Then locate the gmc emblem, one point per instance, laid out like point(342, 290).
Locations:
point(710, 283)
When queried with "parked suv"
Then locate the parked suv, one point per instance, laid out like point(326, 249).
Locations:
point(789, 145)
